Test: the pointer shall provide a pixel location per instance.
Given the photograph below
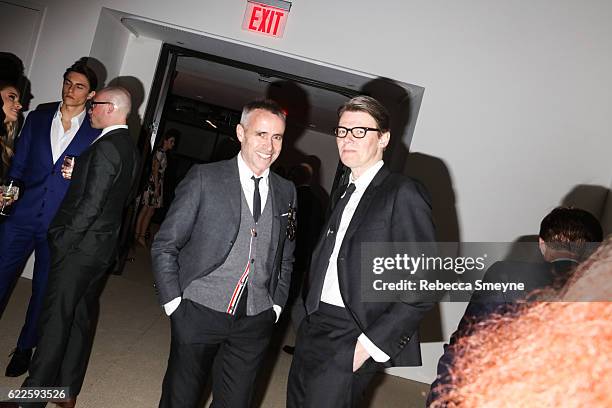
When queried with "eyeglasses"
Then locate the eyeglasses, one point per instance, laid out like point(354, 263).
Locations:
point(359, 132)
point(94, 103)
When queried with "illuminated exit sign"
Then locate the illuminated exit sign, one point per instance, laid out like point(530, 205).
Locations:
point(266, 17)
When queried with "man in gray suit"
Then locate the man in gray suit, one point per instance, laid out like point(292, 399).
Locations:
point(222, 262)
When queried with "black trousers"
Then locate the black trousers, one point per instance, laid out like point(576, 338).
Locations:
point(321, 373)
point(68, 322)
point(198, 335)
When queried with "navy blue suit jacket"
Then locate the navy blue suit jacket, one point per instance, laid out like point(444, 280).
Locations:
point(43, 188)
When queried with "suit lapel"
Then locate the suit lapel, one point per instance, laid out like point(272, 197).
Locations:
point(46, 123)
point(276, 200)
point(364, 203)
point(232, 190)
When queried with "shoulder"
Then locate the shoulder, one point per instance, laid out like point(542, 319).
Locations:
point(282, 183)
point(109, 145)
point(41, 114)
point(406, 187)
point(223, 166)
point(219, 171)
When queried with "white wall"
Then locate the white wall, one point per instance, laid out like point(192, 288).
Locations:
point(517, 94)
point(109, 45)
point(140, 62)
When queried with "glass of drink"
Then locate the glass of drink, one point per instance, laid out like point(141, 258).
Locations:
point(10, 193)
point(67, 167)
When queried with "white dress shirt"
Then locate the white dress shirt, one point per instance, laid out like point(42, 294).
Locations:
point(248, 188)
point(248, 185)
point(60, 139)
point(331, 288)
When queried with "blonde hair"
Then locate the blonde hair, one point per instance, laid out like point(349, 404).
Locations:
point(7, 143)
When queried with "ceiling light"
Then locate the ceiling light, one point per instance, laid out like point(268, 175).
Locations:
point(211, 124)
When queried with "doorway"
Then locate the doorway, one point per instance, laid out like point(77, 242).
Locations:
point(203, 80)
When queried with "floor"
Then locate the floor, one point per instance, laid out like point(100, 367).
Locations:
point(133, 341)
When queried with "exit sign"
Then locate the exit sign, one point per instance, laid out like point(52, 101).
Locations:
point(266, 17)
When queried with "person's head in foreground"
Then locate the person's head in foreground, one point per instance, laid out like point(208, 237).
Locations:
point(548, 354)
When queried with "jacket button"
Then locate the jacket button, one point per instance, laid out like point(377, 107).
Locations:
point(252, 260)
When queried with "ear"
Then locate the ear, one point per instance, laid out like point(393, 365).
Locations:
point(383, 140)
point(542, 246)
point(91, 95)
point(240, 132)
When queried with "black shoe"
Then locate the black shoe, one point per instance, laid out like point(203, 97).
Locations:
point(289, 349)
point(19, 363)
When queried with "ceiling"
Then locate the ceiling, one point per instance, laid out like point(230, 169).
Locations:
point(233, 87)
point(306, 102)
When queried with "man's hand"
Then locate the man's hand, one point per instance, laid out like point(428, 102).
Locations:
point(360, 357)
point(67, 173)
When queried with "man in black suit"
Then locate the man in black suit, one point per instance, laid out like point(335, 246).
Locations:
point(343, 341)
point(567, 236)
point(83, 243)
point(222, 261)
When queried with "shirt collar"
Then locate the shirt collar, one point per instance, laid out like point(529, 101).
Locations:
point(366, 178)
point(246, 173)
point(111, 128)
point(565, 260)
point(78, 118)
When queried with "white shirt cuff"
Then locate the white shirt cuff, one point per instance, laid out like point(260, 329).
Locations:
point(172, 305)
point(377, 354)
point(277, 310)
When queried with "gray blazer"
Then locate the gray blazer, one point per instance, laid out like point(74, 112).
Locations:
point(202, 224)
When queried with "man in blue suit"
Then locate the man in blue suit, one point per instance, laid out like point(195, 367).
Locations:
point(47, 137)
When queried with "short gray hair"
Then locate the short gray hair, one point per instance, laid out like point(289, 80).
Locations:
point(263, 104)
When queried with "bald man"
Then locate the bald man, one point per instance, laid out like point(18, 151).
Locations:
point(83, 242)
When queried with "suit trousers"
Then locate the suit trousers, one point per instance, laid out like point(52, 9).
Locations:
point(17, 241)
point(201, 334)
point(68, 321)
point(321, 374)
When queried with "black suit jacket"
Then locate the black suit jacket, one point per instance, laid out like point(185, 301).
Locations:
point(89, 218)
point(393, 208)
point(203, 222)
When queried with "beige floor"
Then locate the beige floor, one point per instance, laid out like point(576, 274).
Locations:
point(132, 344)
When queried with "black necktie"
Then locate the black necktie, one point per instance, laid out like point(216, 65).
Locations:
point(336, 215)
point(319, 264)
point(256, 199)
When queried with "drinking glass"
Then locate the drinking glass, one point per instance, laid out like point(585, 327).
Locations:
point(10, 192)
point(67, 167)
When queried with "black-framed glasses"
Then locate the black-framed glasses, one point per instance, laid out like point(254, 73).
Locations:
point(358, 131)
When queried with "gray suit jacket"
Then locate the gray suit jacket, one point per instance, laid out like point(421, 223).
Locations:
point(202, 224)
